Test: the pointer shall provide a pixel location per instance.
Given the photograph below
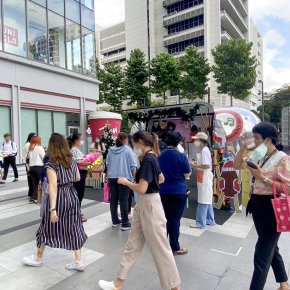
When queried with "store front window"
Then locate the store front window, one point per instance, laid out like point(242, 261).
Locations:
point(14, 27)
point(37, 32)
point(5, 121)
point(73, 46)
point(44, 123)
point(88, 3)
point(56, 40)
point(0, 28)
point(40, 2)
point(89, 63)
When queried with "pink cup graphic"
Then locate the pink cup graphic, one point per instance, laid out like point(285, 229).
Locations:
point(99, 119)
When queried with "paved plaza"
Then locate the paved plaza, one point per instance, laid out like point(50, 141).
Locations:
point(219, 258)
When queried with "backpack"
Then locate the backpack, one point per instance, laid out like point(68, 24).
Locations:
point(12, 145)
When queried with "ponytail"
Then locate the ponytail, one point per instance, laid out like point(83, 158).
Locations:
point(155, 146)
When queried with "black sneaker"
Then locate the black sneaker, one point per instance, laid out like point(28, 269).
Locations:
point(126, 228)
point(115, 225)
point(15, 180)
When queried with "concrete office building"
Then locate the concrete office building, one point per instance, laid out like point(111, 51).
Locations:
point(47, 61)
point(157, 26)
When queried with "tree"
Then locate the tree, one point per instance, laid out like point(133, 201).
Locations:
point(235, 68)
point(111, 90)
point(273, 107)
point(100, 74)
point(195, 69)
point(136, 76)
point(165, 73)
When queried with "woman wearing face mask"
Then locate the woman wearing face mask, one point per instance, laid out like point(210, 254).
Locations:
point(75, 142)
point(267, 159)
point(204, 213)
point(98, 146)
point(149, 223)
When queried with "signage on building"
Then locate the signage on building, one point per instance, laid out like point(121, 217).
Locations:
point(10, 35)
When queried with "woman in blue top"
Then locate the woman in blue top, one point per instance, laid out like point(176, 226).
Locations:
point(176, 169)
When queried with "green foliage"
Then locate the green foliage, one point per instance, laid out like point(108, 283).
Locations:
point(156, 103)
point(136, 76)
point(111, 90)
point(235, 68)
point(100, 73)
point(195, 69)
point(273, 107)
point(165, 74)
point(125, 123)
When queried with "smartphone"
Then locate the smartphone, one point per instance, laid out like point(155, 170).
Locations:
point(252, 164)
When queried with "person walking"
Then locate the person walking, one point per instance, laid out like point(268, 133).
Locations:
point(149, 222)
point(36, 154)
point(75, 142)
point(176, 169)
point(268, 159)
point(9, 151)
point(120, 162)
point(203, 166)
point(61, 223)
point(26, 161)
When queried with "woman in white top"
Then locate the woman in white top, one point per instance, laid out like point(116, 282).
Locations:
point(36, 154)
point(26, 161)
point(98, 146)
point(203, 166)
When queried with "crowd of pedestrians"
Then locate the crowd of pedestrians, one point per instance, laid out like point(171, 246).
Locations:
point(140, 167)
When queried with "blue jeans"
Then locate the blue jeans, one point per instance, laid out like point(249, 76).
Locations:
point(204, 215)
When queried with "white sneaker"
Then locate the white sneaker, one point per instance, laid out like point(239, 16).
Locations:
point(33, 261)
point(105, 285)
point(75, 266)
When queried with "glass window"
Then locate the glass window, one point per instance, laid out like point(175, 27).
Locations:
point(37, 32)
point(0, 28)
point(40, 2)
point(88, 18)
point(5, 121)
point(59, 123)
point(72, 10)
point(56, 42)
point(73, 46)
point(14, 27)
point(28, 123)
point(89, 62)
point(44, 119)
point(88, 3)
point(56, 6)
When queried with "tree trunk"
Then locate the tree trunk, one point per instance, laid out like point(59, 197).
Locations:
point(231, 101)
point(164, 98)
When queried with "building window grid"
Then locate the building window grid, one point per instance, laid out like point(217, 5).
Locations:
point(116, 51)
point(181, 46)
point(183, 5)
point(47, 10)
point(186, 24)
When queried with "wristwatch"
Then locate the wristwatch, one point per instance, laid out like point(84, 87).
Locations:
point(266, 180)
point(52, 209)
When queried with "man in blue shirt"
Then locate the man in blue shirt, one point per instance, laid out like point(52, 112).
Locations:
point(176, 169)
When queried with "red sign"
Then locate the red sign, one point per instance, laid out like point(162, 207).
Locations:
point(10, 35)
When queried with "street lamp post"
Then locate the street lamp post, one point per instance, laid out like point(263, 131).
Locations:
point(263, 104)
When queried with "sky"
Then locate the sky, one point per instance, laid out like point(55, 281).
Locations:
point(272, 18)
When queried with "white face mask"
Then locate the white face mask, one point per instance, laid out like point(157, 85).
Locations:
point(259, 153)
point(82, 143)
point(138, 152)
point(197, 143)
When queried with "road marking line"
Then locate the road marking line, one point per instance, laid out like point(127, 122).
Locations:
point(229, 254)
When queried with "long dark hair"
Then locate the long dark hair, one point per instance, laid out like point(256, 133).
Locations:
point(58, 150)
point(30, 136)
point(100, 143)
point(148, 139)
point(72, 139)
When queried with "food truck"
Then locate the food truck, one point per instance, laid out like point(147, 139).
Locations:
point(226, 129)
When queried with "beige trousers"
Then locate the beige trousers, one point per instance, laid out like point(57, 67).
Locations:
point(149, 225)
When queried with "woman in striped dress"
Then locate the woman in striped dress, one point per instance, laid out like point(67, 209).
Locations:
point(61, 224)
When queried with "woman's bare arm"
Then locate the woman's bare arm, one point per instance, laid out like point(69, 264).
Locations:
point(52, 183)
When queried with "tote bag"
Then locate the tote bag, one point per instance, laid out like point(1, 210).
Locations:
point(106, 192)
point(281, 206)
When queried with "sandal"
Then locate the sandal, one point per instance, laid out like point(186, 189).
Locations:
point(181, 252)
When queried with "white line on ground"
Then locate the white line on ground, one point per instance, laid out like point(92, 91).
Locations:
point(15, 190)
point(226, 253)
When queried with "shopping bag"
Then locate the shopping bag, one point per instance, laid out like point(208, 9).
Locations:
point(281, 206)
point(106, 192)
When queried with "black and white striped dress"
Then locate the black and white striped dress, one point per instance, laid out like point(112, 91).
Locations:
point(68, 233)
